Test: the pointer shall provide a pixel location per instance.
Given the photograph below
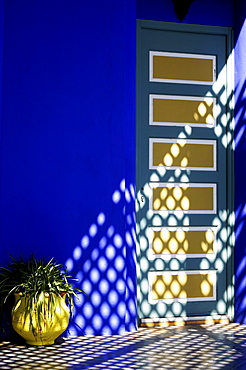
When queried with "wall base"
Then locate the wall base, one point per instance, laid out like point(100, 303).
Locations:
point(181, 321)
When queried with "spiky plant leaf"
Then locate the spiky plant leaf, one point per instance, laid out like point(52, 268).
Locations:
point(35, 279)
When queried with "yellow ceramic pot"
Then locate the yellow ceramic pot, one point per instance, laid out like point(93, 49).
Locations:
point(44, 331)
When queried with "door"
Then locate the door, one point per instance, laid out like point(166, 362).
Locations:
point(183, 170)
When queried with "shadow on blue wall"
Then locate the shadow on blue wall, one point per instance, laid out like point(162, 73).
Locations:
point(240, 155)
point(67, 140)
point(240, 205)
point(106, 263)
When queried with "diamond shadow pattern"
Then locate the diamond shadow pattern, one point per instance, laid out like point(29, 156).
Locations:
point(207, 347)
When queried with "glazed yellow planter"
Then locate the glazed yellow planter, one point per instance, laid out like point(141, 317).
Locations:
point(51, 326)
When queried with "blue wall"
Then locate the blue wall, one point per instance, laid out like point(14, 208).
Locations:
point(206, 12)
point(240, 155)
point(68, 148)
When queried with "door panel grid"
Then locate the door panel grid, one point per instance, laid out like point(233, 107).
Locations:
point(182, 173)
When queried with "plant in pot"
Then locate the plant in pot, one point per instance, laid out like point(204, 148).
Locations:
point(44, 298)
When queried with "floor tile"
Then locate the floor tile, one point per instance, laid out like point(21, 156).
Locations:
point(210, 347)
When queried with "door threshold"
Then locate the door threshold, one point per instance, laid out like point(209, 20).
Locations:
point(183, 320)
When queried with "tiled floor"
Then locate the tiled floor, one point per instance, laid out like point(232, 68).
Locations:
point(217, 347)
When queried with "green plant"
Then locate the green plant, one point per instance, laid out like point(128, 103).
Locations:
point(36, 280)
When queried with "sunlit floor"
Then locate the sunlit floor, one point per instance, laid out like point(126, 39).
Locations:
point(190, 347)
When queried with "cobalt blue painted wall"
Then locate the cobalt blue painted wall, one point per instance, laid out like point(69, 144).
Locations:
point(68, 144)
point(240, 156)
point(206, 12)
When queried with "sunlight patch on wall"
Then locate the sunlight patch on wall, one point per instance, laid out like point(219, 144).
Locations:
point(106, 263)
